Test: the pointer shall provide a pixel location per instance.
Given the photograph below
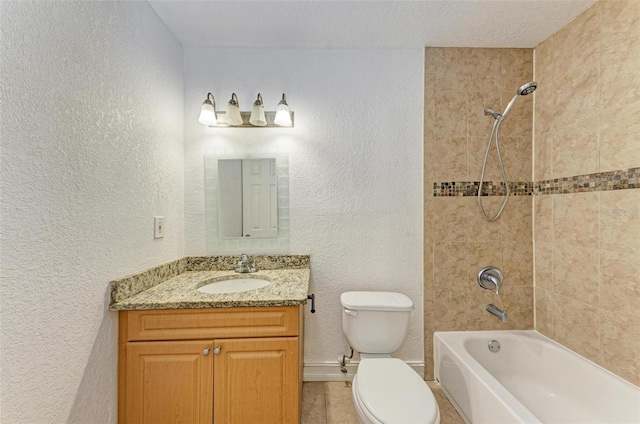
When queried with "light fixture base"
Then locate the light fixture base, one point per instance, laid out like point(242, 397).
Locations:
point(245, 121)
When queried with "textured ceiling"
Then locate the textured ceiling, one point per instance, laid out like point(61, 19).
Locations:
point(354, 23)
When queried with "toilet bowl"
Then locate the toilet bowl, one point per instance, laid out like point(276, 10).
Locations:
point(385, 389)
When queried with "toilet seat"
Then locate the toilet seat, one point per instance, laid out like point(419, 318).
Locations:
point(387, 390)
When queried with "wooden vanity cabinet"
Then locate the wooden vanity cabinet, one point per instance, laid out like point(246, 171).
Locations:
point(227, 365)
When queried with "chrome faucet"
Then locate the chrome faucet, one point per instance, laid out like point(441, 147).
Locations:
point(494, 310)
point(490, 278)
point(245, 265)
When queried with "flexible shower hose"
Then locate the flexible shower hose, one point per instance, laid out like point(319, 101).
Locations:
point(494, 130)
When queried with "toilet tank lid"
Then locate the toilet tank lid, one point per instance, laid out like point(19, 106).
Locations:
point(375, 301)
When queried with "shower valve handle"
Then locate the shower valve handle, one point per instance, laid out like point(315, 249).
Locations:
point(490, 278)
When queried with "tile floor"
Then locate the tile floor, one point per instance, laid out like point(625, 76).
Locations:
point(330, 403)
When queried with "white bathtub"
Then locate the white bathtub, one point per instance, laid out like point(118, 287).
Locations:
point(532, 379)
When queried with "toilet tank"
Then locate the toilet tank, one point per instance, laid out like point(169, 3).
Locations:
point(375, 322)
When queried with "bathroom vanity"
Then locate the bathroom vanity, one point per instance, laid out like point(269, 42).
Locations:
point(188, 356)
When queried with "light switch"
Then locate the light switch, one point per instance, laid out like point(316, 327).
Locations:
point(158, 224)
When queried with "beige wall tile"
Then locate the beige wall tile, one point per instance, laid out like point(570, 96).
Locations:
point(517, 68)
point(428, 357)
point(516, 154)
point(620, 83)
point(478, 229)
point(621, 346)
point(477, 148)
point(518, 122)
point(543, 58)
point(542, 168)
point(577, 326)
point(450, 158)
point(450, 115)
point(620, 221)
point(516, 224)
point(451, 68)
point(544, 109)
point(449, 219)
point(576, 149)
point(621, 16)
point(544, 266)
point(450, 263)
point(428, 220)
point(575, 219)
point(451, 306)
point(482, 255)
point(484, 67)
point(518, 303)
point(544, 311)
point(543, 209)
point(589, 95)
point(620, 137)
point(479, 318)
point(578, 43)
point(479, 123)
point(620, 288)
point(429, 270)
point(575, 96)
point(576, 273)
point(517, 262)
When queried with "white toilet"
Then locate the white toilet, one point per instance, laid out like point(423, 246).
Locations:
point(385, 389)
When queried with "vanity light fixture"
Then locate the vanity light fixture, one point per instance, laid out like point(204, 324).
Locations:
point(257, 118)
point(208, 111)
point(233, 117)
point(283, 116)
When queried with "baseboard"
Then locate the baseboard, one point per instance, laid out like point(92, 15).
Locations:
point(330, 371)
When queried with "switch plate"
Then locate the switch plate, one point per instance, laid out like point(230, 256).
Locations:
point(158, 225)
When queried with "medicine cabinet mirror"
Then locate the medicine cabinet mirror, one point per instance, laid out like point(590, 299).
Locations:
point(247, 203)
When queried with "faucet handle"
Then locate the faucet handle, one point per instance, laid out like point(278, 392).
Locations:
point(490, 278)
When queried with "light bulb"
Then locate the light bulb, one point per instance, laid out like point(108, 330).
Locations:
point(208, 111)
point(283, 116)
point(257, 118)
point(233, 118)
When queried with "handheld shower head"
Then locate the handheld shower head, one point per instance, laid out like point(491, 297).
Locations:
point(528, 88)
point(525, 90)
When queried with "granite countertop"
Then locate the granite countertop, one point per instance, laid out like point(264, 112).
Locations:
point(174, 285)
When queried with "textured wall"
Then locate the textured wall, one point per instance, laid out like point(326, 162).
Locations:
point(355, 166)
point(92, 149)
point(588, 244)
point(459, 83)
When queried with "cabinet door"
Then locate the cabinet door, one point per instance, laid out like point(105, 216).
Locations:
point(256, 381)
point(169, 382)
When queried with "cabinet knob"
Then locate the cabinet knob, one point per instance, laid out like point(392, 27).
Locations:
point(206, 352)
point(217, 350)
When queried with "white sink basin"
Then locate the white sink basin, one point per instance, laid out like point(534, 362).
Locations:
point(236, 285)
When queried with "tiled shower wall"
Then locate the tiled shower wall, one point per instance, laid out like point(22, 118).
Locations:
point(587, 244)
point(459, 83)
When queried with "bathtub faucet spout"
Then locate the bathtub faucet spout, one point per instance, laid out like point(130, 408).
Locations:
point(494, 310)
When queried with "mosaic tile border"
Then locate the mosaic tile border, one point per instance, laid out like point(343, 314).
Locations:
point(622, 179)
point(489, 188)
